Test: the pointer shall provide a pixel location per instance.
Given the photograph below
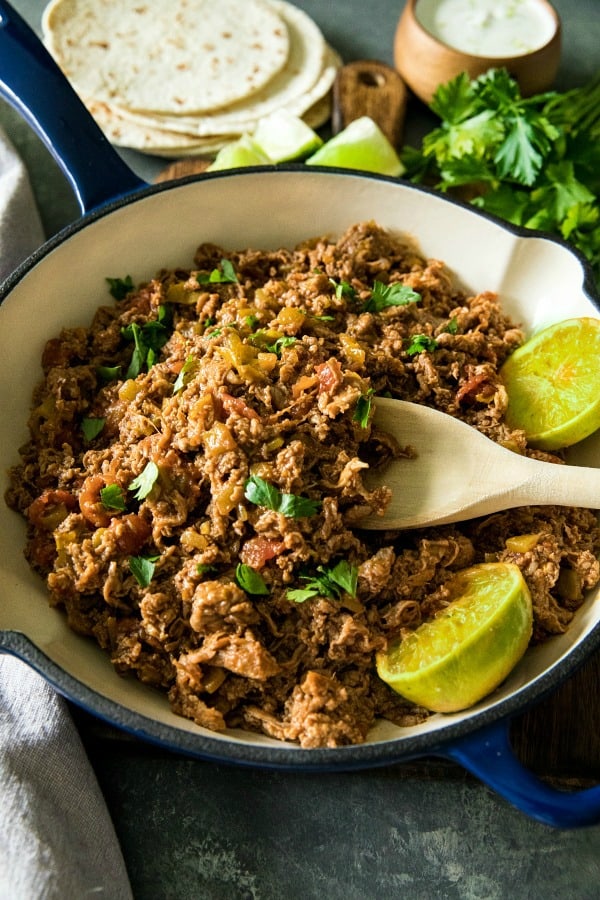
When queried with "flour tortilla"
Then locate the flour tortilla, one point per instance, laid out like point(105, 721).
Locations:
point(307, 75)
point(173, 145)
point(176, 57)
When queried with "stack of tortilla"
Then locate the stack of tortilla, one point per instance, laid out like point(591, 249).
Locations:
point(186, 77)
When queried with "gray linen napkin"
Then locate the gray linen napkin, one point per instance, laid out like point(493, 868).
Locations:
point(57, 841)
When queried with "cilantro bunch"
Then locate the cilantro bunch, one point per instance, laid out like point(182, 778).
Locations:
point(533, 161)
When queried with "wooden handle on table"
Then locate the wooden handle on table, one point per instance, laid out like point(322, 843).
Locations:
point(370, 88)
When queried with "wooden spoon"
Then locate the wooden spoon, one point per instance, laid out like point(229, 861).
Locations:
point(459, 474)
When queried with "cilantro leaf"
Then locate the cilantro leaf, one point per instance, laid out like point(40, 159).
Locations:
point(225, 274)
point(518, 157)
point(145, 481)
point(120, 287)
point(343, 289)
point(142, 568)
point(91, 427)
point(262, 493)
point(280, 343)
point(532, 161)
point(262, 337)
point(148, 340)
point(421, 342)
point(363, 408)
point(185, 372)
point(385, 295)
point(456, 100)
point(112, 497)
point(331, 583)
point(250, 580)
point(108, 373)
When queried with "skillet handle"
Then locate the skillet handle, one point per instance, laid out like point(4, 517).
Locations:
point(488, 754)
point(32, 82)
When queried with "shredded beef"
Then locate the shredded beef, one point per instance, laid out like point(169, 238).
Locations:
point(150, 424)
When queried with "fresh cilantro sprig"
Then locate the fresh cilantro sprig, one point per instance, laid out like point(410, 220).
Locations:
point(145, 481)
point(263, 493)
point(419, 343)
point(185, 374)
point(120, 287)
point(343, 289)
point(142, 568)
point(148, 340)
point(363, 407)
point(327, 582)
point(250, 580)
point(260, 338)
point(223, 274)
point(385, 295)
point(91, 427)
point(534, 161)
point(112, 497)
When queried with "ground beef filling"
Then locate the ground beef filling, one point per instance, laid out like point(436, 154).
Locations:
point(149, 426)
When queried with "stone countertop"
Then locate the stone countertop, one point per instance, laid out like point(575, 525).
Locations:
point(193, 829)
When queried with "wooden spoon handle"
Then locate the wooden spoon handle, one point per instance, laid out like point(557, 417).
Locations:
point(563, 486)
point(370, 88)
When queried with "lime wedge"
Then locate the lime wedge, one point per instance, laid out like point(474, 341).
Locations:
point(284, 137)
point(468, 649)
point(240, 153)
point(361, 145)
point(553, 384)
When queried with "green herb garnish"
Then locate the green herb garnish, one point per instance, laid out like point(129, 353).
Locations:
point(185, 372)
point(259, 339)
point(142, 568)
point(112, 497)
point(225, 274)
point(332, 583)
point(148, 339)
point(250, 580)
point(280, 343)
point(91, 427)
point(108, 373)
point(251, 322)
point(343, 289)
point(262, 493)
point(363, 408)
point(120, 287)
point(532, 161)
point(145, 481)
point(419, 343)
point(385, 295)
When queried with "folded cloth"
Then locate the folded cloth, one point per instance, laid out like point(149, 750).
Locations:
point(56, 836)
point(20, 226)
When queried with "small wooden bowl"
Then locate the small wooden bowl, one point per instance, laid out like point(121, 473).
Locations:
point(425, 62)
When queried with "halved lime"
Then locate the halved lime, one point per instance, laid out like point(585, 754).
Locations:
point(553, 384)
point(361, 145)
point(284, 137)
point(468, 649)
point(240, 153)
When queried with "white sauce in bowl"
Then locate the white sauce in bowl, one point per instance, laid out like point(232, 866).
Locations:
point(490, 28)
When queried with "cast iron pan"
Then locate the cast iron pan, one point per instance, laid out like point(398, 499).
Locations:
point(130, 227)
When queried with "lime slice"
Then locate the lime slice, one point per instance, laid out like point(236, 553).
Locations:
point(361, 145)
point(284, 137)
point(553, 384)
point(243, 152)
point(468, 649)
